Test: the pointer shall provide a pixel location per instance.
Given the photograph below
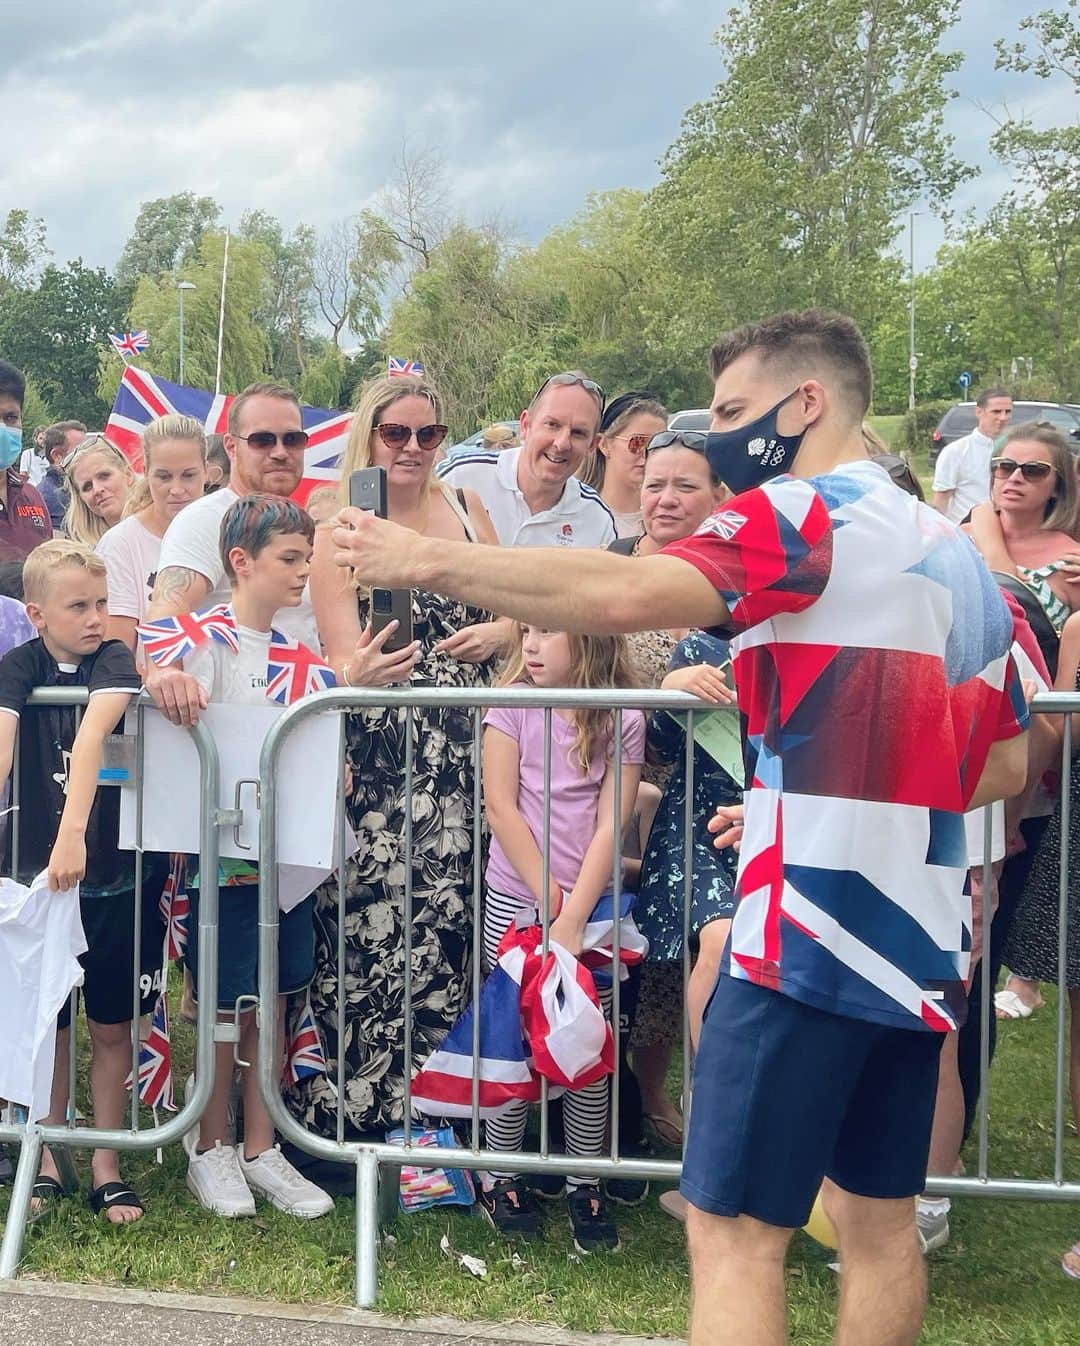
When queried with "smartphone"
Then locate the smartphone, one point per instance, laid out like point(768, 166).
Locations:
point(388, 605)
point(367, 490)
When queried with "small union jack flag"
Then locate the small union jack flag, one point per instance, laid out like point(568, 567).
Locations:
point(399, 369)
point(130, 343)
point(175, 908)
point(155, 1061)
point(305, 1057)
point(293, 671)
point(171, 638)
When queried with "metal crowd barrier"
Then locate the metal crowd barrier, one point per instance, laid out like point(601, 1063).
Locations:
point(372, 1156)
point(31, 1136)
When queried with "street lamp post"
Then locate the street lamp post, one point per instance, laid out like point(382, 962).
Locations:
point(182, 286)
point(913, 359)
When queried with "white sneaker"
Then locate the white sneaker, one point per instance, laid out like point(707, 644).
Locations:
point(284, 1186)
point(217, 1182)
point(933, 1230)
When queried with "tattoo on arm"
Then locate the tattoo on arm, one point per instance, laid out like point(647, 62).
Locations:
point(178, 589)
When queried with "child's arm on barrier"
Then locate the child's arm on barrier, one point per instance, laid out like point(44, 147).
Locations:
point(67, 862)
point(508, 827)
point(598, 866)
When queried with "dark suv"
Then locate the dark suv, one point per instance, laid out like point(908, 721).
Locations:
point(960, 420)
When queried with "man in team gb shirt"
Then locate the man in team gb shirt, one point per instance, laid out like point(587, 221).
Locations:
point(879, 703)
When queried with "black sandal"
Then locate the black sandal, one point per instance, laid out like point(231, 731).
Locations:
point(111, 1194)
point(48, 1192)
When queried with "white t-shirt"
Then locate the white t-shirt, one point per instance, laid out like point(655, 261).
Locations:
point(963, 467)
point(579, 518)
point(194, 542)
point(130, 552)
point(34, 466)
point(238, 678)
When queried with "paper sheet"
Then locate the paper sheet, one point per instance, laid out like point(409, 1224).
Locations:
point(720, 733)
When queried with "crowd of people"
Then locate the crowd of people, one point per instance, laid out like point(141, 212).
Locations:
point(882, 678)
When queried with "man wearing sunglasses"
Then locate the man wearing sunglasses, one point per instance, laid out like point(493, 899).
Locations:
point(531, 493)
point(880, 703)
point(265, 443)
point(962, 471)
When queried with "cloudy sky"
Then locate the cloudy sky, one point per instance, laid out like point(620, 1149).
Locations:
point(302, 107)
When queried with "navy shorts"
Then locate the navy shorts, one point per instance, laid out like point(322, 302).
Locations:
point(238, 944)
point(786, 1094)
point(108, 989)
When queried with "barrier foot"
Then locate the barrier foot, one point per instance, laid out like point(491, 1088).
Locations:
point(367, 1228)
point(65, 1166)
point(19, 1209)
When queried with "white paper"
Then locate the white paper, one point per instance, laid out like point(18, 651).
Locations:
point(309, 783)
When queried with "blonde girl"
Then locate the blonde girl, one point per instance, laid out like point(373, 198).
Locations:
point(99, 479)
point(583, 838)
point(174, 463)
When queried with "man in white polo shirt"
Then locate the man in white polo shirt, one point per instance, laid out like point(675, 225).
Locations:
point(962, 471)
point(530, 492)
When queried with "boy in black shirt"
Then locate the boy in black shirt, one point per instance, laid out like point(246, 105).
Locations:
point(69, 827)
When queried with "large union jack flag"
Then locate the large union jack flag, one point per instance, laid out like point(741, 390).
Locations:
point(305, 1057)
point(396, 368)
point(292, 670)
point(155, 1061)
point(142, 398)
point(130, 343)
point(168, 639)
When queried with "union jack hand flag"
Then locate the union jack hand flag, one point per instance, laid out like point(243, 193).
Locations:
point(142, 397)
point(397, 368)
point(293, 671)
point(175, 908)
point(171, 638)
point(306, 1056)
point(130, 343)
point(155, 1061)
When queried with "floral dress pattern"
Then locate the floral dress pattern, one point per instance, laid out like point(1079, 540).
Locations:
point(442, 895)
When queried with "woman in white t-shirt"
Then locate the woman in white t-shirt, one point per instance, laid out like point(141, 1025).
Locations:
point(174, 458)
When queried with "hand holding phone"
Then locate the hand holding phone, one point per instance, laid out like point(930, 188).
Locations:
point(367, 490)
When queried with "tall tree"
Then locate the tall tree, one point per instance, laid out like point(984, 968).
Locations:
point(287, 309)
point(351, 266)
point(22, 250)
point(166, 234)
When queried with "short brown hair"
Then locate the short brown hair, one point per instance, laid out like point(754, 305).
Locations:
point(988, 395)
point(802, 342)
point(56, 554)
point(55, 436)
point(279, 390)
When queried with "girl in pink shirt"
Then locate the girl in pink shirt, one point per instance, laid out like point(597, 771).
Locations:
point(583, 839)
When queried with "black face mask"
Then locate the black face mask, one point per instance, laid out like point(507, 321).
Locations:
point(754, 453)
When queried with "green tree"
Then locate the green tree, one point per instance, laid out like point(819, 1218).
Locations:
point(22, 250)
point(287, 308)
point(56, 331)
point(166, 234)
point(785, 187)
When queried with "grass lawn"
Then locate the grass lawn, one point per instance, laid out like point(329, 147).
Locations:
point(888, 427)
point(997, 1281)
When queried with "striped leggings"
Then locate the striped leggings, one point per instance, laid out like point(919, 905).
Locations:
point(585, 1111)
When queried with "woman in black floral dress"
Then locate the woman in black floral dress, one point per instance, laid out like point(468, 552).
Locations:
point(397, 425)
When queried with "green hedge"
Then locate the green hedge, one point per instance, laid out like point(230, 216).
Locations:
point(920, 424)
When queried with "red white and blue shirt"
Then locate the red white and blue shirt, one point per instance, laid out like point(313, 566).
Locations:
point(873, 670)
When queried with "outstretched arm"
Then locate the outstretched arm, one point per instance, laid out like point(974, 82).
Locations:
point(573, 590)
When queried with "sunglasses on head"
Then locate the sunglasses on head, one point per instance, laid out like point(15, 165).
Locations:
point(266, 439)
point(571, 381)
point(395, 436)
point(1005, 467)
point(689, 439)
point(84, 446)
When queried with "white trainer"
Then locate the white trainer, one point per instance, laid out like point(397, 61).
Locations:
point(217, 1181)
point(284, 1186)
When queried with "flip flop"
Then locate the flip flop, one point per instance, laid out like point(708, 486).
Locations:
point(48, 1192)
point(1072, 1275)
point(1009, 1006)
point(111, 1194)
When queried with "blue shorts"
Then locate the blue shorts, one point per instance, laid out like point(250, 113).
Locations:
point(238, 944)
point(786, 1094)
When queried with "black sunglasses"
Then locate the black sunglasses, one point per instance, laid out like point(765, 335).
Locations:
point(689, 439)
point(571, 381)
point(266, 439)
point(1005, 467)
point(396, 436)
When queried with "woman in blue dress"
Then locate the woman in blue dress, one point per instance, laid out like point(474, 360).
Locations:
point(659, 908)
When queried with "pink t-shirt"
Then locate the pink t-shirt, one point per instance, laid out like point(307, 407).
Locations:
point(574, 796)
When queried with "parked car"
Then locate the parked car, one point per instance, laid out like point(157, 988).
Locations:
point(696, 419)
point(959, 420)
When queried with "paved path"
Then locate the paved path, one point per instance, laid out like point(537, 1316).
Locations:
point(36, 1313)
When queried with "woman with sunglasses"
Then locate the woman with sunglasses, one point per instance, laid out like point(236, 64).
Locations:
point(99, 480)
point(678, 493)
point(616, 467)
point(398, 425)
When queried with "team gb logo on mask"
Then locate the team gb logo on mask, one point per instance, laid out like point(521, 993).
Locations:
point(725, 524)
point(756, 447)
